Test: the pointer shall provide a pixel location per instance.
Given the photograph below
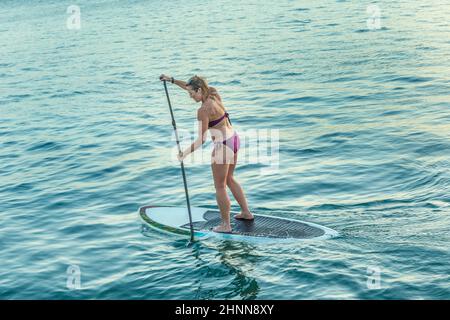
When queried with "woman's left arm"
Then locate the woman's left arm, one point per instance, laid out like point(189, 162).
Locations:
point(203, 119)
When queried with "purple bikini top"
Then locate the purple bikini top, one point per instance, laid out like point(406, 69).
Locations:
point(214, 122)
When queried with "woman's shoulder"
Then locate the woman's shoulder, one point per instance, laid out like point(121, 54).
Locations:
point(208, 105)
point(204, 109)
point(202, 113)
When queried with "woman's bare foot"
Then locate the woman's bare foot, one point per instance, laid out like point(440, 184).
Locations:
point(244, 216)
point(222, 228)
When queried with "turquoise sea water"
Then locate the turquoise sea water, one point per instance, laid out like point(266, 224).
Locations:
point(86, 139)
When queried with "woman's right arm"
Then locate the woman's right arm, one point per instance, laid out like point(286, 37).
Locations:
point(179, 83)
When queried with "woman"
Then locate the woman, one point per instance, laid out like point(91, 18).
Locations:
point(212, 115)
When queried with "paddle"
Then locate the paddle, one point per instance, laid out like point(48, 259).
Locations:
point(182, 165)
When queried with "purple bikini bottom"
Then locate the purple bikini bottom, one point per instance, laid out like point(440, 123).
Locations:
point(233, 142)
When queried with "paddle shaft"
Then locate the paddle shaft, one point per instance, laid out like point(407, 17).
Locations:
point(182, 165)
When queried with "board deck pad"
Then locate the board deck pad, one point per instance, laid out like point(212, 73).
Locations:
point(261, 226)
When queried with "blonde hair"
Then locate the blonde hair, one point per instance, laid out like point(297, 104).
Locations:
point(197, 82)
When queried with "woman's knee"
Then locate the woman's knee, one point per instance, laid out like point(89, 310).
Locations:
point(220, 186)
point(230, 180)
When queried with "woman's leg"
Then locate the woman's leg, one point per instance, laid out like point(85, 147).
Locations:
point(238, 192)
point(220, 171)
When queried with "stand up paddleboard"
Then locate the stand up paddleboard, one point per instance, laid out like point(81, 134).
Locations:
point(262, 229)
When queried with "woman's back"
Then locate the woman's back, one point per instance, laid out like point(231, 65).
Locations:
point(216, 110)
point(217, 115)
